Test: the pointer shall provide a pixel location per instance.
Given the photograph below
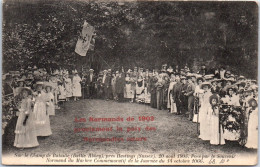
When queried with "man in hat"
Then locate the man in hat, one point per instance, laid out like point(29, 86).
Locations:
point(106, 84)
point(189, 93)
point(90, 84)
point(184, 98)
point(120, 84)
point(203, 70)
point(176, 93)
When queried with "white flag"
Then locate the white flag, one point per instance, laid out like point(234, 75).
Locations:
point(83, 43)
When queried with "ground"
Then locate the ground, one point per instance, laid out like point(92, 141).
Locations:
point(174, 133)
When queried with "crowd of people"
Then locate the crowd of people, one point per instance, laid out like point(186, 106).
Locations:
point(224, 105)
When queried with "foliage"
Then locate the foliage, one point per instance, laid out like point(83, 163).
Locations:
point(131, 33)
point(231, 117)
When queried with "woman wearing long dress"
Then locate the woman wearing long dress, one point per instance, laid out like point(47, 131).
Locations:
point(170, 103)
point(68, 86)
point(198, 98)
point(25, 134)
point(113, 85)
point(49, 99)
point(153, 82)
point(204, 116)
point(128, 90)
point(76, 89)
point(252, 137)
point(43, 127)
point(216, 136)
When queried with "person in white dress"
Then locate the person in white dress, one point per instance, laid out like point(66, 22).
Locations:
point(171, 105)
point(25, 132)
point(76, 89)
point(198, 97)
point(43, 127)
point(216, 136)
point(68, 86)
point(231, 99)
point(204, 116)
point(252, 137)
point(49, 99)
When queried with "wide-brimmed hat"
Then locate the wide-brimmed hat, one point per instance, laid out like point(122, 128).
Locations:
point(208, 77)
point(242, 83)
point(205, 84)
point(182, 77)
point(39, 83)
point(200, 78)
point(233, 87)
point(241, 77)
point(20, 80)
point(215, 80)
point(21, 89)
point(48, 84)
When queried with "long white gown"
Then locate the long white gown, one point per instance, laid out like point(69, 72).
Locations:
point(68, 87)
point(170, 103)
point(216, 136)
point(43, 127)
point(252, 139)
point(204, 116)
point(76, 89)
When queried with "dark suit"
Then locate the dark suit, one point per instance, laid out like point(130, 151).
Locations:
point(184, 99)
point(190, 91)
point(106, 85)
point(176, 93)
point(90, 85)
point(120, 84)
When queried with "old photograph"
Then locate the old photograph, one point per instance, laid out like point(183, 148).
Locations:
point(91, 82)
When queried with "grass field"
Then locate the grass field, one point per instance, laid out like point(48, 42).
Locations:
point(168, 133)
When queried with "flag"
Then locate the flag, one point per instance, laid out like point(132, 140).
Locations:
point(83, 42)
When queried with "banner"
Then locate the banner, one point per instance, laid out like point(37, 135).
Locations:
point(83, 42)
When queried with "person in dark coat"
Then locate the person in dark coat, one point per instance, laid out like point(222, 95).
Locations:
point(189, 94)
point(90, 84)
point(152, 83)
point(184, 99)
point(120, 84)
point(176, 93)
point(106, 85)
point(7, 85)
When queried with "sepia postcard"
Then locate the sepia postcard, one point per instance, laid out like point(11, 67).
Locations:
point(92, 82)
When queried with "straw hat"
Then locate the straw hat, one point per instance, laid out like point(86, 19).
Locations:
point(205, 84)
point(21, 89)
point(48, 84)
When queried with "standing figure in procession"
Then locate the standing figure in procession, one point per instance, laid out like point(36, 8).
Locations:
point(176, 93)
point(189, 93)
point(25, 132)
point(204, 116)
point(49, 99)
point(231, 99)
point(68, 86)
point(76, 89)
point(43, 127)
point(216, 136)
